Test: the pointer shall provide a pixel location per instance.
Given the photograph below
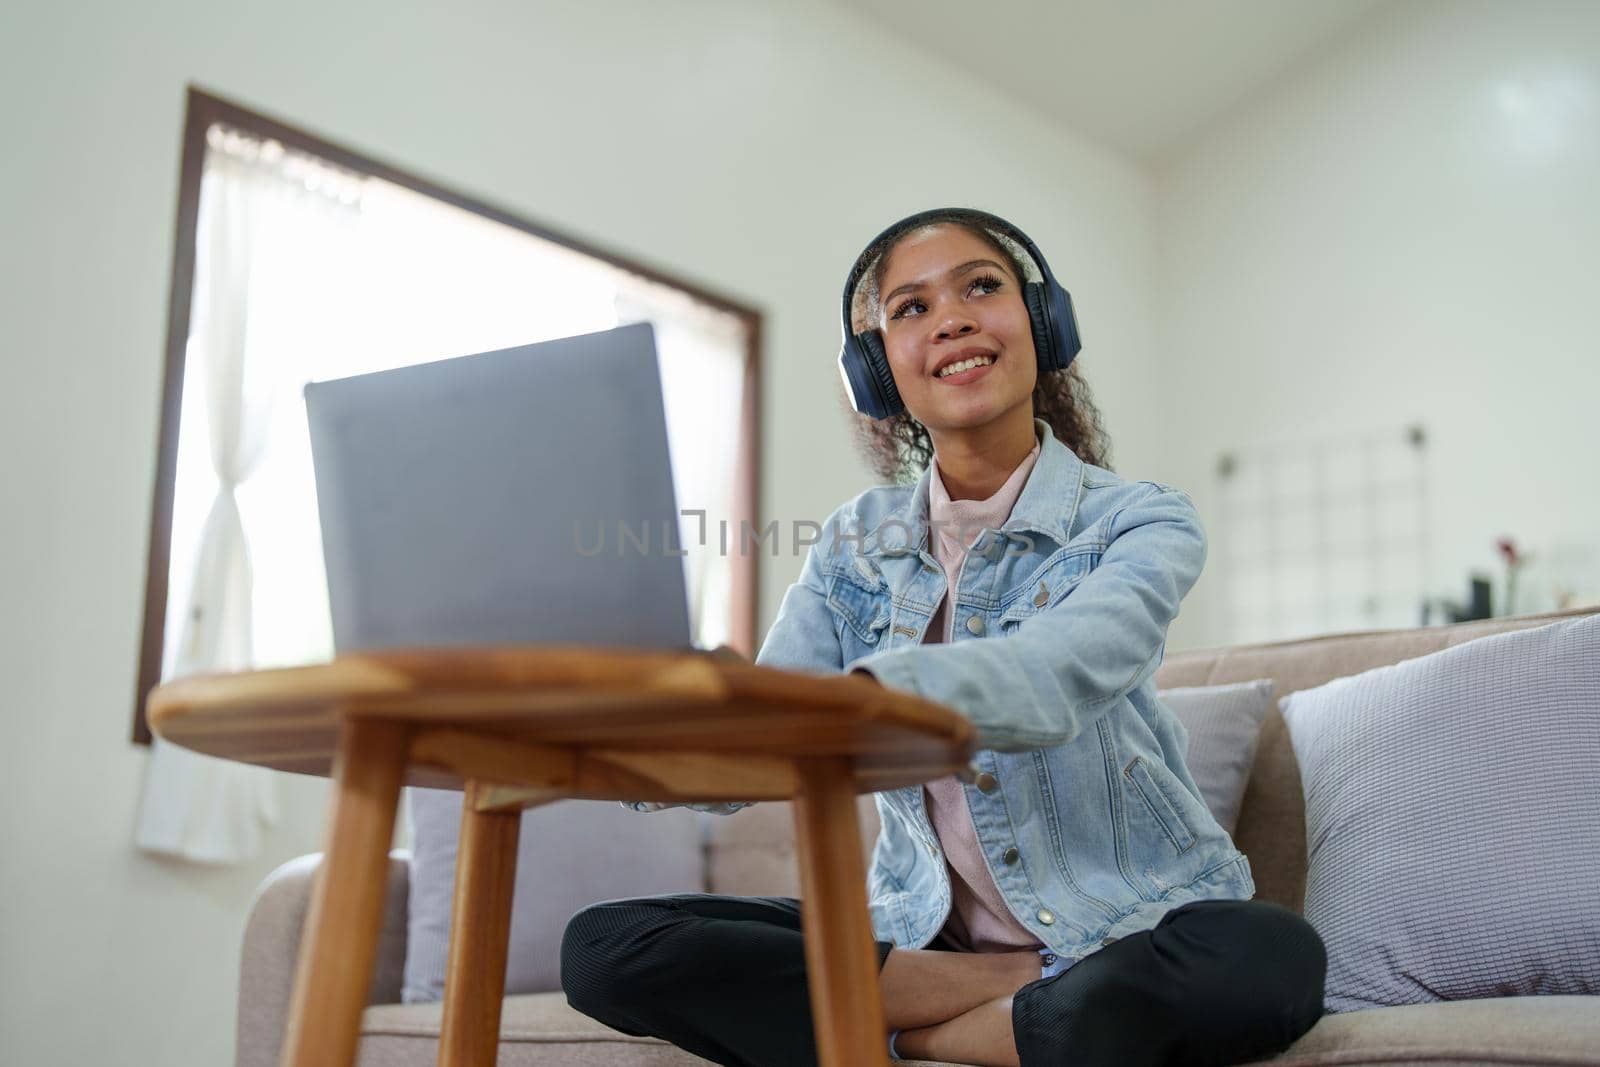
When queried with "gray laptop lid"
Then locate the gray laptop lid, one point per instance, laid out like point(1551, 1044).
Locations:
point(517, 496)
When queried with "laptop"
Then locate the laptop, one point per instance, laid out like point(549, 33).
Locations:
point(521, 496)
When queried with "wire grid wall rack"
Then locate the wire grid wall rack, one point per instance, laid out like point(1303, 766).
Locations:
point(1323, 535)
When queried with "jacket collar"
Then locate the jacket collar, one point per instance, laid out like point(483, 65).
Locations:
point(1047, 505)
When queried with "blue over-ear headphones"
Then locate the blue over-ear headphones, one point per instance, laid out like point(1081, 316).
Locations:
point(862, 362)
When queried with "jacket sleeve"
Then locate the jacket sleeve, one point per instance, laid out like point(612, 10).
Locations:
point(803, 637)
point(1046, 682)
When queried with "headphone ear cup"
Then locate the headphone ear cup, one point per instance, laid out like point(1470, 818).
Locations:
point(1044, 347)
point(1063, 327)
point(877, 360)
point(864, 369)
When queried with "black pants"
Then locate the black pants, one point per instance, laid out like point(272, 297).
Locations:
point(1215, 982)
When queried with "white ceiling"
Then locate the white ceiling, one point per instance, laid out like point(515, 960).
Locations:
point(1143, 76)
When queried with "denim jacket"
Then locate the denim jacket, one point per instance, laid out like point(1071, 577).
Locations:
point(1085, 810)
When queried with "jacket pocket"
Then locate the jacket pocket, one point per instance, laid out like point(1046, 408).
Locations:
point(1159, 801)
point(1046, 587)
point(864, 611)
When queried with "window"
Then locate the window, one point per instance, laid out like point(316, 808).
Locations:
point(297, 260)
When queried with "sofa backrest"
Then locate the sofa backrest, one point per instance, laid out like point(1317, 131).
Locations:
point(752, 853)
point(1272, 827)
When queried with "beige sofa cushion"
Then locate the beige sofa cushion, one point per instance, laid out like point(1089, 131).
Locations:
point(1510, 1030)
point(540, 1030)
point(536, 1030)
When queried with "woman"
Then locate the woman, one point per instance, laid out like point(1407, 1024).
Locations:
point(1071, 899)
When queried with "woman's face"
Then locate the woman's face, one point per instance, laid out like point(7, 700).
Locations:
point(949, 298)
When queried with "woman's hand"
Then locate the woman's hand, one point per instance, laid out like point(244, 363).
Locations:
point(721, 652)
point(725, 807)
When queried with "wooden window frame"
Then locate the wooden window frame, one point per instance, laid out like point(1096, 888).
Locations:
point(202, 110)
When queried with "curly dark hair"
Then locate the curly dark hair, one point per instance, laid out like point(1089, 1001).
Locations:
point(898, 448)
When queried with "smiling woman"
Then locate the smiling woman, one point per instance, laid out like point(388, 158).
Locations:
point(1070, 898)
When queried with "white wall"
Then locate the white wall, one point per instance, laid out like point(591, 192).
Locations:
point(750, 147)
point(1404, 231)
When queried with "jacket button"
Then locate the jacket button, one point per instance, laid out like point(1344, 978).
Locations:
point(975, 625)
point(1042, 597)
point(1046, 918)
point(1011, 856)
point(986, 782)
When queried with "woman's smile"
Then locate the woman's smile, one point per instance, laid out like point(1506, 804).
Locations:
point(965, 370)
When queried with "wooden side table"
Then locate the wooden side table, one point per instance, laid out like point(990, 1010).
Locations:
point(521, 726)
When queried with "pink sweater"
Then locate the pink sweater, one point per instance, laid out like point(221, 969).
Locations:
point(979, 919)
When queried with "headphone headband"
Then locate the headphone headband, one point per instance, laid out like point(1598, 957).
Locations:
point(862, 364)
point(934, 216)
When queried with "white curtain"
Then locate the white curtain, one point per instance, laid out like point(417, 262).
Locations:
point(702, 360)
point(196, 807)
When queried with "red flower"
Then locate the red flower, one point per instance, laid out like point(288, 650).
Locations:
point(1508, 549)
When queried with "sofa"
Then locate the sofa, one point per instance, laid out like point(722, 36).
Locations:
point(752, 853)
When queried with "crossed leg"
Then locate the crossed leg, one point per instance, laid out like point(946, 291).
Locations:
point(1215, 982)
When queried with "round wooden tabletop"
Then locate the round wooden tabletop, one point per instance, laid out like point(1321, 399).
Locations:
point(596, 722)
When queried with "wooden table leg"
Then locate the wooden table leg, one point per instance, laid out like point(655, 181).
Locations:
point(480, 933)
point(340, 938)
point(841, 958)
